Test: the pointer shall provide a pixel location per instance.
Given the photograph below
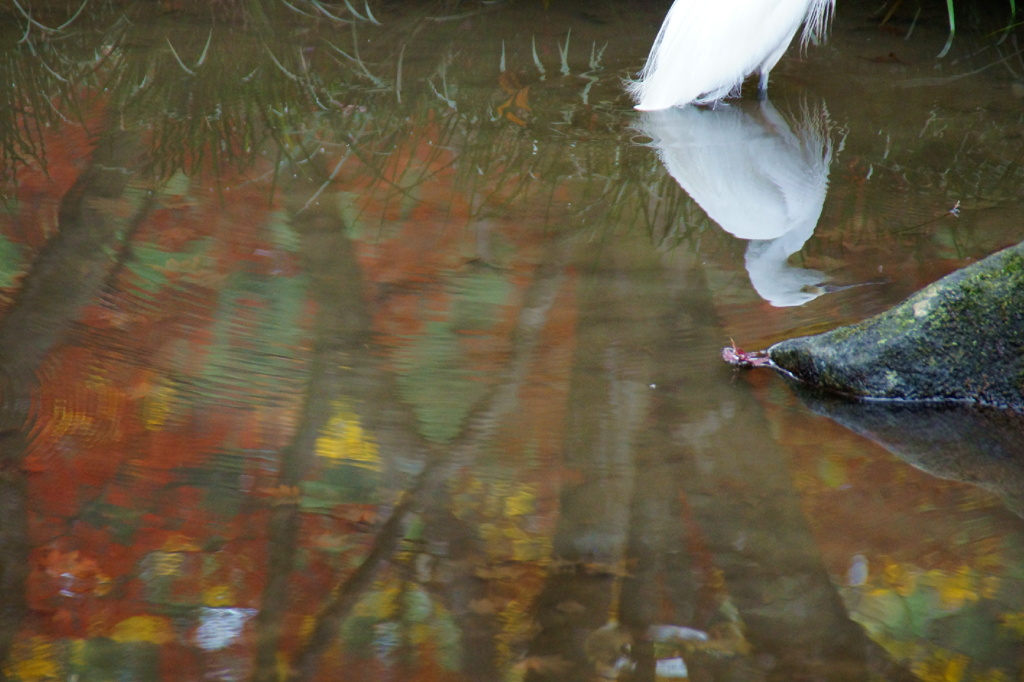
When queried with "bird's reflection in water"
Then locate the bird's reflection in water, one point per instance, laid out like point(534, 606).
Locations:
point(759, 178)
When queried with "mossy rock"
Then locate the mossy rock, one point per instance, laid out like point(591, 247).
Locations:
point(958, 339)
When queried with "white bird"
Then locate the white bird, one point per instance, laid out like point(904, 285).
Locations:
point(706, 48)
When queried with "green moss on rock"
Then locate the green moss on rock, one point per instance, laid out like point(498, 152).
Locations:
point(960, 338)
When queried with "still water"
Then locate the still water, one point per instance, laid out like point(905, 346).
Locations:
point(348, 343)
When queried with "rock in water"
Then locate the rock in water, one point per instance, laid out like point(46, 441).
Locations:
point(958, 339)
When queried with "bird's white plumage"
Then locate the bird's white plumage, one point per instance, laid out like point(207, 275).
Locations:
point(706, 48)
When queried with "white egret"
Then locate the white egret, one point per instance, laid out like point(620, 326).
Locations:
point(706, 48)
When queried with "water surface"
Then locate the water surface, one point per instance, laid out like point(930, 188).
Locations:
point(335, 349)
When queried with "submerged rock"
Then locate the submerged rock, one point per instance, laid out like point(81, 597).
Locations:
point(958, 339)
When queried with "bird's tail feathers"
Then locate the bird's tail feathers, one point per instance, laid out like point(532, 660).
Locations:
point(816, 22)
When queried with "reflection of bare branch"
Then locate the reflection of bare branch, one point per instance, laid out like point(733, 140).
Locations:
point(369, 14)
point(300, 11)
point(206, 49)
point(357, 15)
point(181, 63)
point(358, 61)
point(222, 113)
point(281, 66)
point(327, 183)
point(398, 76)
point(323, 10)
point(28, 17)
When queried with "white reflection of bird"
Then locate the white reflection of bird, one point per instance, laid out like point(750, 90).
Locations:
point(705, 48)
point(758, 179)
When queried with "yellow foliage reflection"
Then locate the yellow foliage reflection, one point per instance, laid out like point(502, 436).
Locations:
point(344, 440)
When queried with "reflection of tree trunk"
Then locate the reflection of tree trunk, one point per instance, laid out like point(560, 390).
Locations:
point(342, 366)
point(660, 585)
point(98, 212)
point(741, 491)
point(708, 438)
point(608, 399)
